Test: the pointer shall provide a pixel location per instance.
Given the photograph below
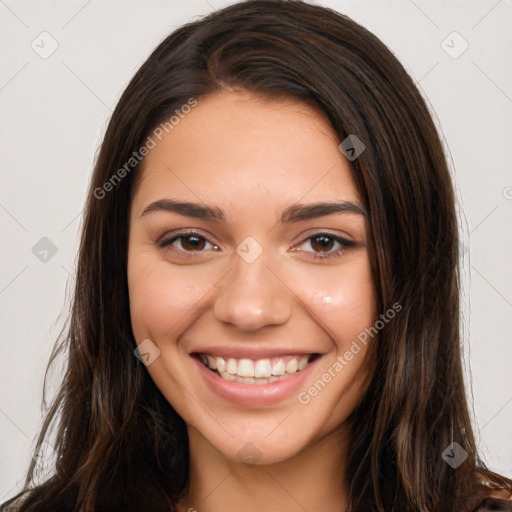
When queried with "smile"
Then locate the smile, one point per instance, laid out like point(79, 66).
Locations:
point(260, 371)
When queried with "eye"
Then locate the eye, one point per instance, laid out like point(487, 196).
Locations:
point(318, 246)
point(326, 245)
point(186, 242)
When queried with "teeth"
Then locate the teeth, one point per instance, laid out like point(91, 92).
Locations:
point(279, 367)
point(303, 363)
point(231, 366)
point(211, 362)
point(291, 366)
point(245, 368)
point(262, 368)
point(248, 380)
point(261, 371)
point(221, 364)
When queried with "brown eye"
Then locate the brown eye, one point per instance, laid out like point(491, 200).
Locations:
point(186, 242)
point(322, 243)
point(192, 243)
point(322, 246)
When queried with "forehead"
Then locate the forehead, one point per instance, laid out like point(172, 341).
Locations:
point(244, 150)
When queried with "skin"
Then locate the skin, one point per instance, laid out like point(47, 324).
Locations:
point(253, 157)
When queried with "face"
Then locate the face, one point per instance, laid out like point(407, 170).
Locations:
point(248, 271)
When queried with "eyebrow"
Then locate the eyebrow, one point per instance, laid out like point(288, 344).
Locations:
point(293, 213)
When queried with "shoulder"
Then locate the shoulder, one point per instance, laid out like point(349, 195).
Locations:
point(9, 506)
point(499, 493)
point(12, 504)
point(495, 504)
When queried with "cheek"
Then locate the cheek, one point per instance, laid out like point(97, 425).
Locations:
point(342, 300)
point(162, 298)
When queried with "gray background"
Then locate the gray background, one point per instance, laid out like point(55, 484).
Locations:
point(54, 112)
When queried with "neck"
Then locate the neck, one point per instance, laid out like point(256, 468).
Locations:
point(313, 479)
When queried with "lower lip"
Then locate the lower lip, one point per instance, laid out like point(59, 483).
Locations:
point(254, 395)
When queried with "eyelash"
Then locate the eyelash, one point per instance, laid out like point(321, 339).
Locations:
point(344, 244)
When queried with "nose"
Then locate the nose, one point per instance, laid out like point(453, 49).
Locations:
point(253, 296)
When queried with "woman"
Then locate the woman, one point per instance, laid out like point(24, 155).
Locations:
point(267, 300)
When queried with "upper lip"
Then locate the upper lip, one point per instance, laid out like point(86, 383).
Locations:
point(248, 352)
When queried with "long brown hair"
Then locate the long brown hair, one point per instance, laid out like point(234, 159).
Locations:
point(119, 443)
